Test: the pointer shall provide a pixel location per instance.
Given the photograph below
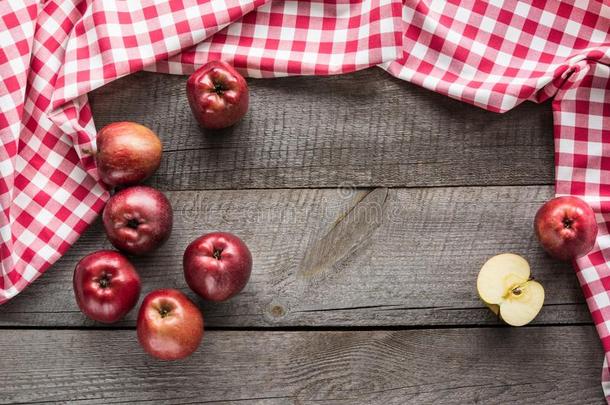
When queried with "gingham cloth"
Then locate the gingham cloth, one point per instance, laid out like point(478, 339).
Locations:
point(493, 54)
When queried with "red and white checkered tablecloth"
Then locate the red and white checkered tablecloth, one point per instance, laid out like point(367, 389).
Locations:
point(494, 54)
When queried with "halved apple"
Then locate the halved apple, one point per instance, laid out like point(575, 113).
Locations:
point(505, 285)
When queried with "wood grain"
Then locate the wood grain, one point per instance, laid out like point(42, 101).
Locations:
point(339, 257)
point(366, 202)
point(365, 129)
point(558, 365)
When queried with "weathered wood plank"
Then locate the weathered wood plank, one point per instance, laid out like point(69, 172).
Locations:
point(366, 129)
point(339, 257)
point(554, 365)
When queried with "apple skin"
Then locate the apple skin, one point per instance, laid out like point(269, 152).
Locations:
point(170, 326)
point(106, 286)
point(127, 153)
point(566, 227)
point(138, 219)
point(217, 266)
point(217, 94)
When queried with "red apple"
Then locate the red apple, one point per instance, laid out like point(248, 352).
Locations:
point(566, 227)
point(170, 326)
point(217, 266)
point(138, 219)
point(217, 94)
point(106, 286)
point(127, 153)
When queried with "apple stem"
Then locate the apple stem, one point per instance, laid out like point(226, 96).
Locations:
point(217, 253)
point(104, 281)
point(218, 89)
point(133, 223)
point(163, 312)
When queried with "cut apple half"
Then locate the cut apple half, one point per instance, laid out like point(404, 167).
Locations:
point(505, 285)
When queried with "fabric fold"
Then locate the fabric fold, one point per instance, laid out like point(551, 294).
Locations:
point(581, 110)
point(115, 38)
point(301, 38)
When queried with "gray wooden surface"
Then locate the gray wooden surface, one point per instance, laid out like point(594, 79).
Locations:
point(369, 205)
point(499, 365)
point(331, 257)
point(366, 129)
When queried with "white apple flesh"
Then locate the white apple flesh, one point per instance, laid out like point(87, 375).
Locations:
point(505, 285)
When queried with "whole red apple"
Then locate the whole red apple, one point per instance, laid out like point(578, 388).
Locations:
point(127, 153)
point(217, 266)
point(217, 94)
point(106, 286)
point(138, 219)
point(566, 227)
point(170, 326)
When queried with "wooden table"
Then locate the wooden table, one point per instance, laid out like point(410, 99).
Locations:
point(369, 205)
